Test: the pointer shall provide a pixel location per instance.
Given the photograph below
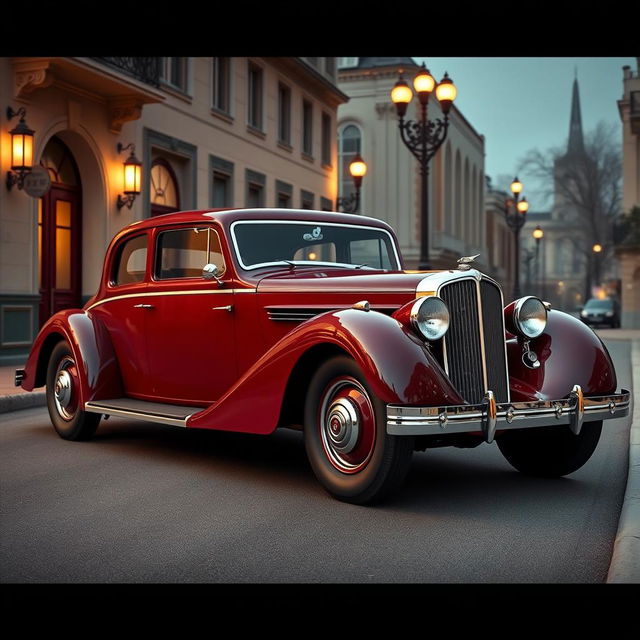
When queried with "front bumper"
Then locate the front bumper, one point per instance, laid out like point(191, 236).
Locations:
point(490, 416)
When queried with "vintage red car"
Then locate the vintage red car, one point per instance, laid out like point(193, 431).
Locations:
point(252, 320)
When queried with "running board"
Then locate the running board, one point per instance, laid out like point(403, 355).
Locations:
point(173, 414)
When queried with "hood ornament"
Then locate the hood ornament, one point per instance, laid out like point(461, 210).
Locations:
point(464, 263)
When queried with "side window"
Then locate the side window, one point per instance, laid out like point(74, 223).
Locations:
point(131, 262)
point(182, 253)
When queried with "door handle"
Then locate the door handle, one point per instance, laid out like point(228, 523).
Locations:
point(143, 306)
point(229, 307)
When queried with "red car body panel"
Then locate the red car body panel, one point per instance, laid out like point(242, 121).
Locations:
point(198, 343)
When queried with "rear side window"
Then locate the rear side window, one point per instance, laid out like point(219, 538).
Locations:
point(182, 253)
point(131, 262)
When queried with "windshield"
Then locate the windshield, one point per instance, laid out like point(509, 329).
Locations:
point(604, 304)
point(305, 244)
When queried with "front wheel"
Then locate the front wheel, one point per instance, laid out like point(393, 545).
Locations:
point(549, 452)
point(345, 436)
point(63, 397)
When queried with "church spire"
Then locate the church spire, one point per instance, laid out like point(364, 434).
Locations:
point(576, 141)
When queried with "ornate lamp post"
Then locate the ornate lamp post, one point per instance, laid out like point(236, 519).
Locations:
point(424, 137)
point(538, 234)
point(357, 169)
point(515, 214)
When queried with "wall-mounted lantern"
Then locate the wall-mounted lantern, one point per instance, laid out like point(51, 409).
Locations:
point(132, 177)
point(21, 149)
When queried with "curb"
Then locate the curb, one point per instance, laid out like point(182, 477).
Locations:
point(625, 561)
point(22, 401)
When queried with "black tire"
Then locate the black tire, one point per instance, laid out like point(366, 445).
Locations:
point(360, 465)
point(63, 399)
point(549, 452)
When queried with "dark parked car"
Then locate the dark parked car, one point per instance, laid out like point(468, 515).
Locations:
point(605, 311)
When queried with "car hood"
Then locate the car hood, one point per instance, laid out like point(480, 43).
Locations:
point(345, 281)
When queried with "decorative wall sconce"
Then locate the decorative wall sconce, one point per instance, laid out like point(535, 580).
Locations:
point(132, 177)
point(21, 149)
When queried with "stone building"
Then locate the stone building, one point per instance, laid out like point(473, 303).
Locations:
point(628, 251)
point(391, 188)
point(209, 132)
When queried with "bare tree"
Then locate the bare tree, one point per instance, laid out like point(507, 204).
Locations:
point(586, 189)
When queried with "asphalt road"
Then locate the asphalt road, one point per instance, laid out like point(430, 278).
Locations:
point(148, 503)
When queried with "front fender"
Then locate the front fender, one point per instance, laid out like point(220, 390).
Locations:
point(93, 352)
point(570, 353)
point(397, 366)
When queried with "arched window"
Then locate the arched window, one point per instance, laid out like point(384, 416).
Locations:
point(164, 192)
point(349, 143)
point(457, 192)
point(448, 195)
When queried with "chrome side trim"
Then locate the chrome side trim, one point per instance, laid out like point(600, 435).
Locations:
point(576, 409)
point(169, 293)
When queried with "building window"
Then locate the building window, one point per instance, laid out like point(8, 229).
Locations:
point(255, 96)
point(325, 204)
point(349, 143)
point(306, 198)
point(173, 71)
point(221, 83)
point(347, 63)
point(284, 195)
point(255, 189)
point(326, 139)
point(284, 114)
point(330, 66)
point(307, 128)
point(164, 191)
point(221, 182)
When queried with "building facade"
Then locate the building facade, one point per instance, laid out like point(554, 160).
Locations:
point(628, 251)
point(391, 188)
point(210, 132)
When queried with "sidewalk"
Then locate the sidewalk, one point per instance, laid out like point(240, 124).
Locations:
point(625, 562)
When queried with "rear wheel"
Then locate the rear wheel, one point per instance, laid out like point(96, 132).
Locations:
point(345, 436)
point(63, 397)
point(549, 452)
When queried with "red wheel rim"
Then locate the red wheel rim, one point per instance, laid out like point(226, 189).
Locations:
point(347, 424)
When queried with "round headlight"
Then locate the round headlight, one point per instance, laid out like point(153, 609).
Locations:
point(430, 317)
point(530, 316)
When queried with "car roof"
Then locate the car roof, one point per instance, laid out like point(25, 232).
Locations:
point(229, 215)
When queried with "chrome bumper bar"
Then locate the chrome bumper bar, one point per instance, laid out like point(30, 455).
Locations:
point(490, 416)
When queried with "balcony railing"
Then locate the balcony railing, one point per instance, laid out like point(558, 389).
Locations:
point(146, 70)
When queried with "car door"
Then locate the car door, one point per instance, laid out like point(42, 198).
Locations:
point(190, 329)
point(122, 310)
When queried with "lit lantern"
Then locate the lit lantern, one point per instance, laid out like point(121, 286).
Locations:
point(523, 206)
point(132, 177)
point(516, 186)
point(357, 169)
point(21, 149)
point(401, 96)
point(424, 83)
point(446, 93)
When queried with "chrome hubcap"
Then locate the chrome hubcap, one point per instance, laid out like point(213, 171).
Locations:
point(343, 425)
point(63, 389)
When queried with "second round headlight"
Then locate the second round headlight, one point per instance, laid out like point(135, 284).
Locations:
point(530, 316)
point(430, 316)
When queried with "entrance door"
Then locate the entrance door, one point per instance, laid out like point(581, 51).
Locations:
point(59, 233)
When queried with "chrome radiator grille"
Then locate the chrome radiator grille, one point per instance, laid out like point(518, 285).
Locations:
point(474, 345)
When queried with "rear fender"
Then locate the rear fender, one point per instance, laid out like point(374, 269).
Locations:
point(92, 350)
point(396, 364)
point(570, 353)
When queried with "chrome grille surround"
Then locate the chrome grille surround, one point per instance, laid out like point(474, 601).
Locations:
point(465, 345)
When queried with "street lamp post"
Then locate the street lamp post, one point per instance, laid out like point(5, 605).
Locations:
point(538, 234)
point(357, 169)
point(516, 214)
point(424, 137)
point(597, 251)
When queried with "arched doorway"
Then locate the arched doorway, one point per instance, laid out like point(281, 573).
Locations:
point(164, 190)
point(59, 233)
